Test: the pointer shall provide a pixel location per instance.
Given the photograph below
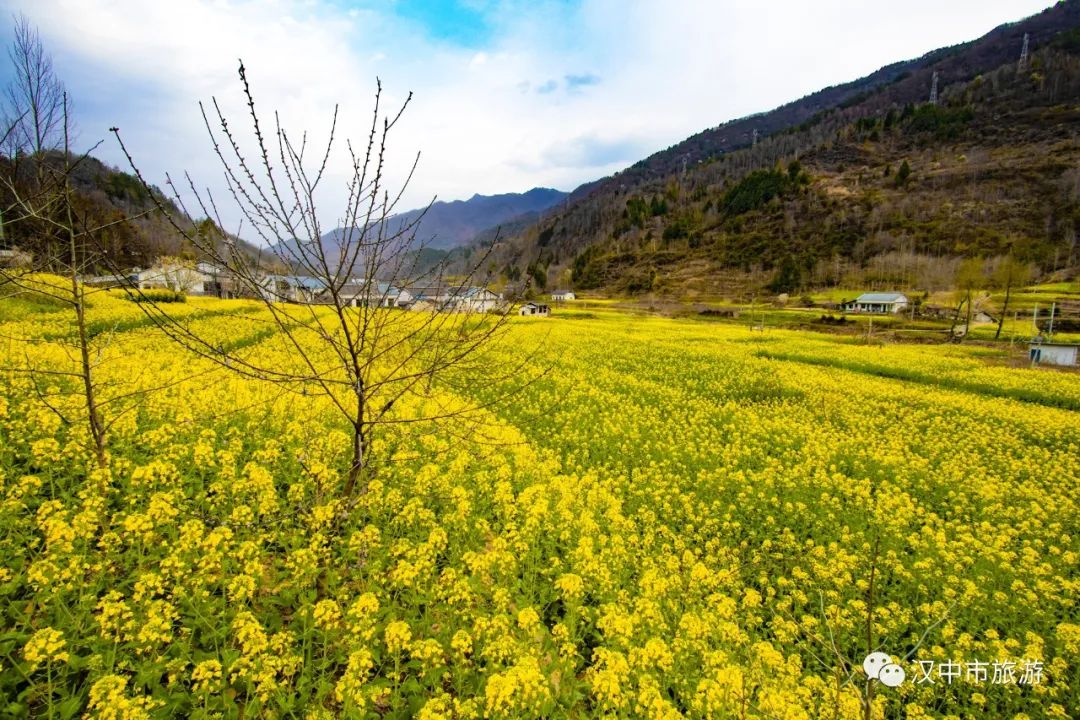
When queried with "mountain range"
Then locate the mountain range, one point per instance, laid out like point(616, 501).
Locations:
point(448, 225)
point(867, 180)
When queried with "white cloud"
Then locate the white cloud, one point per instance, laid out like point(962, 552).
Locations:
point(561, 95)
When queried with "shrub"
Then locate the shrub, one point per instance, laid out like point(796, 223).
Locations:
point(159, 295)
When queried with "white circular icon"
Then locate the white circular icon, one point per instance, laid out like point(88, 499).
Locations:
point(891, 675)
point(874, 662)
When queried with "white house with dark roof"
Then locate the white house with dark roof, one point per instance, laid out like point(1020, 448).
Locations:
point(290, 288)
point(532, 308)
point(472, 299)
point(878, 303)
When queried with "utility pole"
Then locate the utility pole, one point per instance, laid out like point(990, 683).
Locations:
point(1050, 329)
point(933, 89)
point(1023, 55)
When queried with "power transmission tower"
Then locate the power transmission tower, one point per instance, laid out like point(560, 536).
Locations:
point(1023, 55)
point(753, 142)
point(933, 89)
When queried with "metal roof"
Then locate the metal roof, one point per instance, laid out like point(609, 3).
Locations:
point(303, 281)
point(880, 297)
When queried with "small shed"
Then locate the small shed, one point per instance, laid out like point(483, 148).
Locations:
point(531, 308)
point(1051, 353)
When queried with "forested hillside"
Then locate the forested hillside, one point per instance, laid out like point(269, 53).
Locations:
point(884, 187)
point(132, 231)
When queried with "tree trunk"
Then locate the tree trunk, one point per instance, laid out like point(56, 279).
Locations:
point(970, 309)
point(97, 430)
point(956, 316)
point(359, 446)
point(1005, 306)
point(868, 696)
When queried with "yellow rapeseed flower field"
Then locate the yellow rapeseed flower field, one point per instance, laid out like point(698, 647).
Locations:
point(676, 519)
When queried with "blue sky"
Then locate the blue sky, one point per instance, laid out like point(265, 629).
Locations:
point(508, 94)
point(467, 24)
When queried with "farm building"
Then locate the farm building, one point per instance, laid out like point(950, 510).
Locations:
point(472, 299)
point(290, 288)
point(878, 303)
point(454, 299)
point(178, 276)
point(1051, 353)
point(360, 293)
point(563, 295)
point(531, 308)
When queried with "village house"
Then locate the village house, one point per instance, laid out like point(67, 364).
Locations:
point(878, 303)
point(563, 295)
point(425, 297)
point(178, 277)
point(453, 299)
point(361, 293)
point(199, 279)
point(531, 308)
point(472, 299)
point(290, 288)
point(422, 303)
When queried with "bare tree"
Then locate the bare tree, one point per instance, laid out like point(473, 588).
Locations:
point(969, 278)
point(1009, 274)
point(337, 298)
point(72, 389)
point(37, 106)
point(36, 187)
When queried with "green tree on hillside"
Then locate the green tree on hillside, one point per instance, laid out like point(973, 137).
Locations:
point(788, 277)
point(903, 174)
point(1009, 274)
point(969, 278)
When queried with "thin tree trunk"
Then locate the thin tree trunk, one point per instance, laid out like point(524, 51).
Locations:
point(967, 328)
point(359, 446)
point(1005, 306)
point(868, 697)
point(956, 316)
point(97, 431)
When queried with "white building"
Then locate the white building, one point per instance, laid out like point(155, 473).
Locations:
point(531, 308)
point(448, 298)
point(176, 276)
point(290, 288)
point(472, 299)
point(878, 303)
point(360, 293)
point(563, 295)
point(1051, 353)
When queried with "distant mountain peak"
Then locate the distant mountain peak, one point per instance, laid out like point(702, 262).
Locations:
point(448, 224)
